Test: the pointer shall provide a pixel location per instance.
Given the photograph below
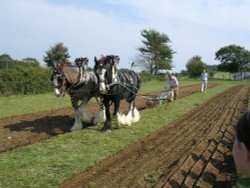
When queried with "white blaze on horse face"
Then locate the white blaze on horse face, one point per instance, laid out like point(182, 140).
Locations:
point(57, 91)
point(102, 86)
point(114, 74)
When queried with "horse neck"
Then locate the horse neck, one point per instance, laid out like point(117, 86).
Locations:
point(124, 78)
point(109, 78)
point(89, 88)
point(72, 74)
point(92, 81)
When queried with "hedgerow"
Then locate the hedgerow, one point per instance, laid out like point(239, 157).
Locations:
point(24, 79)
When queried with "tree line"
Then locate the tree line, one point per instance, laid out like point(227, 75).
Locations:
point(155, 55)
point(23, 76)
point(233, 59)
point(26, 76)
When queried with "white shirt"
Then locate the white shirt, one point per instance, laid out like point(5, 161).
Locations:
point(204, 76)
point(172, 82)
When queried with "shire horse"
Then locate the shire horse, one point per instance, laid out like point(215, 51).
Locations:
point(115, 85)
point(81, 85)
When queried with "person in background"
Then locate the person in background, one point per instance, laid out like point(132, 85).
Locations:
point(173, 84)
point(241, 146)
point(204, 78)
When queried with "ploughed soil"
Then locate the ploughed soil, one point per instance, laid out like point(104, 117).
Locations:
point(193, 151)
point(30, 128)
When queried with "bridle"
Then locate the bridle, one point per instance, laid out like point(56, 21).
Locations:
point(113, 60)
point(102, 72)
point(60, 81)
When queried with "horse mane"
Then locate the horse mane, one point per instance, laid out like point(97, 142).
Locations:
point(63, 64)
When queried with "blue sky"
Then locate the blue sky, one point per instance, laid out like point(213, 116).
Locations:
point(28, 28)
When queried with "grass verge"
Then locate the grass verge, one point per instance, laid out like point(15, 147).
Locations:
point(49, 162)
point(24, 104)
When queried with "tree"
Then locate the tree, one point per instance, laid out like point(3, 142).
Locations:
point(233, 58)
point(211, 69)
point(5, 57)
point(195, 66)
point(55, 54)
point(31, 61)
point(156, 53)
point(5, 60)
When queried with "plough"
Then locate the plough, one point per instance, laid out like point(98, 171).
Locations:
point(164, 96)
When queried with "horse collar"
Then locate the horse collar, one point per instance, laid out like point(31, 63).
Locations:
point(78, 84)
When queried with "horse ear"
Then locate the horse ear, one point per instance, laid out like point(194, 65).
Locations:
point(111, 60)
point(95, 59)
point(79, 62)
point(117, 59)
point(85, 60)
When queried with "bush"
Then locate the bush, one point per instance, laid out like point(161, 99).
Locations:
point(24, 80)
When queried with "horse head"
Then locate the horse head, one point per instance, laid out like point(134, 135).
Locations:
point(63, 76)
point(106, 71)
point(60, 82)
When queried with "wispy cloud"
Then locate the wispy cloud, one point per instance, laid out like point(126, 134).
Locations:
point(91, 28)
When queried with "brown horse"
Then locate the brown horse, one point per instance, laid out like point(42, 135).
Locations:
point(81, 85)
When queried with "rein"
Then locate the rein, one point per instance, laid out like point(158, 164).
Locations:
point(123, 85)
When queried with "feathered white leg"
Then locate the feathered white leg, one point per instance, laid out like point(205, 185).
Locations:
point(121, 119)
point(100, 118)
point(135, 115)
point(80, 116)
point(86, 116)
point(78, 124)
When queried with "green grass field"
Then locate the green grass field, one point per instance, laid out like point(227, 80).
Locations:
point(51, 161)
point(23, 104)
